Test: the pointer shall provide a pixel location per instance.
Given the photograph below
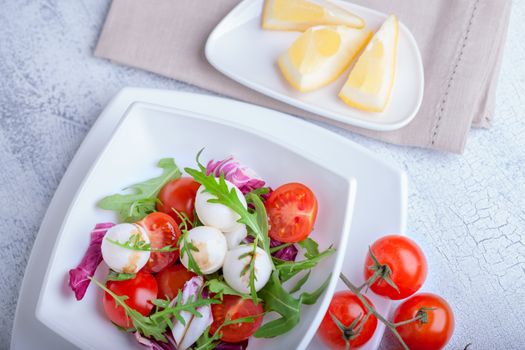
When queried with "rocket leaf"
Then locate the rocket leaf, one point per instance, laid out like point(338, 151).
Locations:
point(141, 202)
point(278, 300)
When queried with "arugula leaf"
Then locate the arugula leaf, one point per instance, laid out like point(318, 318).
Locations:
point(191, 306)
point(219, 287)
point(311, 298)
point(278, 300)
point(135, 242)
point(311, 247)
point(300, 283)
point(260, 192)
point(205, 342)
point(141, 323)
point(116, 276)
point(250, 268)
point(256, 221)
point(279, 247)
point(156, 324)
point(186, 247)
point(261, 220)
point(196, 221)
point(288, 269)
point(135, 206)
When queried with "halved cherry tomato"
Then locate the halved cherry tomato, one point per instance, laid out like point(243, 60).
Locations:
point(406, 261)
point(139, 291)
point(172, 279)
point(162, 231)
point(439, 326)
point(346, 307)
point(292, 209)
point(178, 194)
point(235, 307)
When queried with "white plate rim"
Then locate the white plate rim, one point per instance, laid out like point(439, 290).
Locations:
point(371, 125)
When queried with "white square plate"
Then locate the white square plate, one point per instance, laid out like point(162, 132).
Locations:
point(380, 205)
point(148, 133)
point(242, 50)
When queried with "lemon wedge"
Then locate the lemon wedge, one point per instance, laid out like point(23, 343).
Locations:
point(370, 82)
point(302, 14)
point(320, 55)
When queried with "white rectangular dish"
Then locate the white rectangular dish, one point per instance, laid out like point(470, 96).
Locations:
point(148, 133)
point(239, 48)
point(380, 205)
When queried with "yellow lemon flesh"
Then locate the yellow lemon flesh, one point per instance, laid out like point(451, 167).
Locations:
point(320, 55)
point(370, 82)
point(302, 14)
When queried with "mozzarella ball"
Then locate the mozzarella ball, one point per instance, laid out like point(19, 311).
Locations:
point(236, 236)
point(122, 259)
point(211, 245)
point(215, 214)
point(234, 265)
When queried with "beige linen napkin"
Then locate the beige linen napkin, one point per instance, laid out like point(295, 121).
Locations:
point(461, 42)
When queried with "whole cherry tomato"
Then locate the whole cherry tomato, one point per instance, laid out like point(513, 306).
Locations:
point(178, 194)
point(346, 308)
point(402, 261)
point(434, 330)
point(139, 292)
point(172, 279)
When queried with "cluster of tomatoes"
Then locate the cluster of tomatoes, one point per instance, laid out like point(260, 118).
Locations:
point(396, 268)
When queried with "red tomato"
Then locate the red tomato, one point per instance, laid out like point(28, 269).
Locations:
point(172, 279)
point(406, 261)
point(178, 194)
point(432, 335)
point(162, 231)
point(346, 307)
point(235, 307)
point(292, 209)
point(139, 290)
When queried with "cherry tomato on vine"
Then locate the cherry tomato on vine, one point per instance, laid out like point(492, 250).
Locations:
point(172, 279)
point(139, 291)
point(178, 194)
point(234, 307)
point(292, 209)
point(436, 330)
point(347, 308)
point(162, 231)
point(402, 261)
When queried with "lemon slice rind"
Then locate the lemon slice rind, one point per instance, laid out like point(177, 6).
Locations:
point(375, 102)
point(331, 15)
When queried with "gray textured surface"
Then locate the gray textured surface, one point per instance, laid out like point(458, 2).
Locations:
point(467, 212)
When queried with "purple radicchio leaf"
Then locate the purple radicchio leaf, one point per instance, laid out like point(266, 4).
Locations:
point(187, 334)
point(241, 176)
point(152, 344)
point(288, 253)
point(232, 346)
point(79, 276)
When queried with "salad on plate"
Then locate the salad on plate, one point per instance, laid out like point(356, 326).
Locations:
point(198, 259)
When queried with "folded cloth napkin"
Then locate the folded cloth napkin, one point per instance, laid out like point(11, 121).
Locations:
point(461, 43)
